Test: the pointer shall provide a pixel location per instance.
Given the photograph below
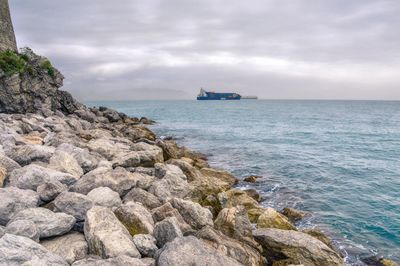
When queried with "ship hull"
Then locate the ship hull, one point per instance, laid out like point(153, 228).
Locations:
point(215, 96)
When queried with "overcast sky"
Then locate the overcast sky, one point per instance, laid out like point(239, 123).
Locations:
point(276, 49)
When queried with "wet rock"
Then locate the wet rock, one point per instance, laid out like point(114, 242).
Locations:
point(166, 211)
point(378, 261)
point(106, 235)
point(71, 247)
point(118, 180)
point(117, 261)
point(27, 154)
point(251, 178)
point(19, 250)
point(145, 198)
point(24, 228)
point(166, 231)
point(136, 218)
point(50, 190)
point(318, 234)
point(226, 246)
point(74, 204)
point(47, 222)
point(32, 176)
point(252, 193)
point(146, 244)
point(193, 213)
point(189, 250)
point(104, 196)
point(295, 247)
point(236, 197)
point(14, 200)
point(292, 214)
point(65, 162)
point(270, 218)
point(234, 223)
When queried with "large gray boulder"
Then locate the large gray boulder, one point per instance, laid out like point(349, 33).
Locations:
point(146, 244)
point(32, 176)
point(141, 154)
point(193, 213)
point(104, 196)
point(295, 247)
point(166, 231)
point(48, 223)
point(106, 236)
point(142, 196)
point(87, 161)
point(71, 247)
point(117, 261)
point(27, 154)
point(74, 204)
point(8, 163)
point(65, 162)
point(117, 179)
point(19, 250)
point(50, 190)
point(183, 251)
point(166, 211)
point(24, 228)
point(14, 200)
point(136, 218)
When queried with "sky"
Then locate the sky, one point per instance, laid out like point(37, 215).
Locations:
point(169, 49)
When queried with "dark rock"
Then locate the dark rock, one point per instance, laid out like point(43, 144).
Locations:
point(251, 179)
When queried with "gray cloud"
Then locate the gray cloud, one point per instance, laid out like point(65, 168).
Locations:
point(130, 49)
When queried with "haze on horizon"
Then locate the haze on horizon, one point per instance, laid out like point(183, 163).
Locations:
point(168, 49)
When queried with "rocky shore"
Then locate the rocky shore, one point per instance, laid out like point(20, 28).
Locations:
point(92, 186)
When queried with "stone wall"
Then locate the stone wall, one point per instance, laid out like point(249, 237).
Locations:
point(7, 37)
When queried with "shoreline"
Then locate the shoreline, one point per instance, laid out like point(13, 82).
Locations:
point(90, 186)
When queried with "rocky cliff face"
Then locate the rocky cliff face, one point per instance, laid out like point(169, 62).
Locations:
point(7, 37)
point(30, 84)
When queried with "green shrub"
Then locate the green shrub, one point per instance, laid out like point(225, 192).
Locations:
point(12, 63)
point(47, 65)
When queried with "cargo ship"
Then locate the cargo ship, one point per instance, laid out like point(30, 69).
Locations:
point(208, 95)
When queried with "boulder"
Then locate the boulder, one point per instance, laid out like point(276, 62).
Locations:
point(193, 213)
point(166, 231)
point(172, 183)
point(87, 161)
point(65, 162)
point(152, 262)
point(189, 250)
point(29, 140)
point(141, 154)
point(27, 154)
point(146, 244)
point(104, 196)
point(24, 228)
point(74, 204)
point(251, 179)
point(32, 176)
point(71, 247)
point(2, 231)
point(136, 218)
point(19, 250)
point(50, 190)
point(292, 214)
point(142, 196)
point(318, 234)
point(106, 235)
point(117, 261)
point(295, 247)
point(234, 223)
point(236, 197)
point(8, 163)
point(252, 193)
point(166, 211)
point(3, 174)
point(226, 246)
point(270, 218)
point(14, 200)
point(47, 222)
point(117, 179)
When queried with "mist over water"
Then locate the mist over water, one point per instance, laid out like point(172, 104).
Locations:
point(338, 160)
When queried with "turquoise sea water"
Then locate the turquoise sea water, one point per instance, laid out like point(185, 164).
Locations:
point(338, 160)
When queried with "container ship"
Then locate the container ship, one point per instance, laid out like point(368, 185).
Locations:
point(208, 95)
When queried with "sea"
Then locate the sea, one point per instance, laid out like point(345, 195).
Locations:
point(339, 161)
